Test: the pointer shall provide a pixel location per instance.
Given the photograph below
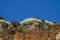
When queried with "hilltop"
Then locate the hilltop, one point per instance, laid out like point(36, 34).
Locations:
point(30, 28)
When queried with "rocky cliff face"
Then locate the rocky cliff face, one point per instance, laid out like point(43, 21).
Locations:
point(35, 29)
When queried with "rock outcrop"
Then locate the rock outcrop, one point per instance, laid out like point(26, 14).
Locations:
point(34, 29)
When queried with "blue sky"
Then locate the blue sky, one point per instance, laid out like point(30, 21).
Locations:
point(17, 10)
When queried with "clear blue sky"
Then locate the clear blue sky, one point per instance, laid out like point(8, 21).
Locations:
point(21, 9)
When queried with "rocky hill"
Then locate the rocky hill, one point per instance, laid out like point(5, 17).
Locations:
point(29, 29)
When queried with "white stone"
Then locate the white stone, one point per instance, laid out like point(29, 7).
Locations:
point(46, 21)
point(58, 36)
point(31, 19)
